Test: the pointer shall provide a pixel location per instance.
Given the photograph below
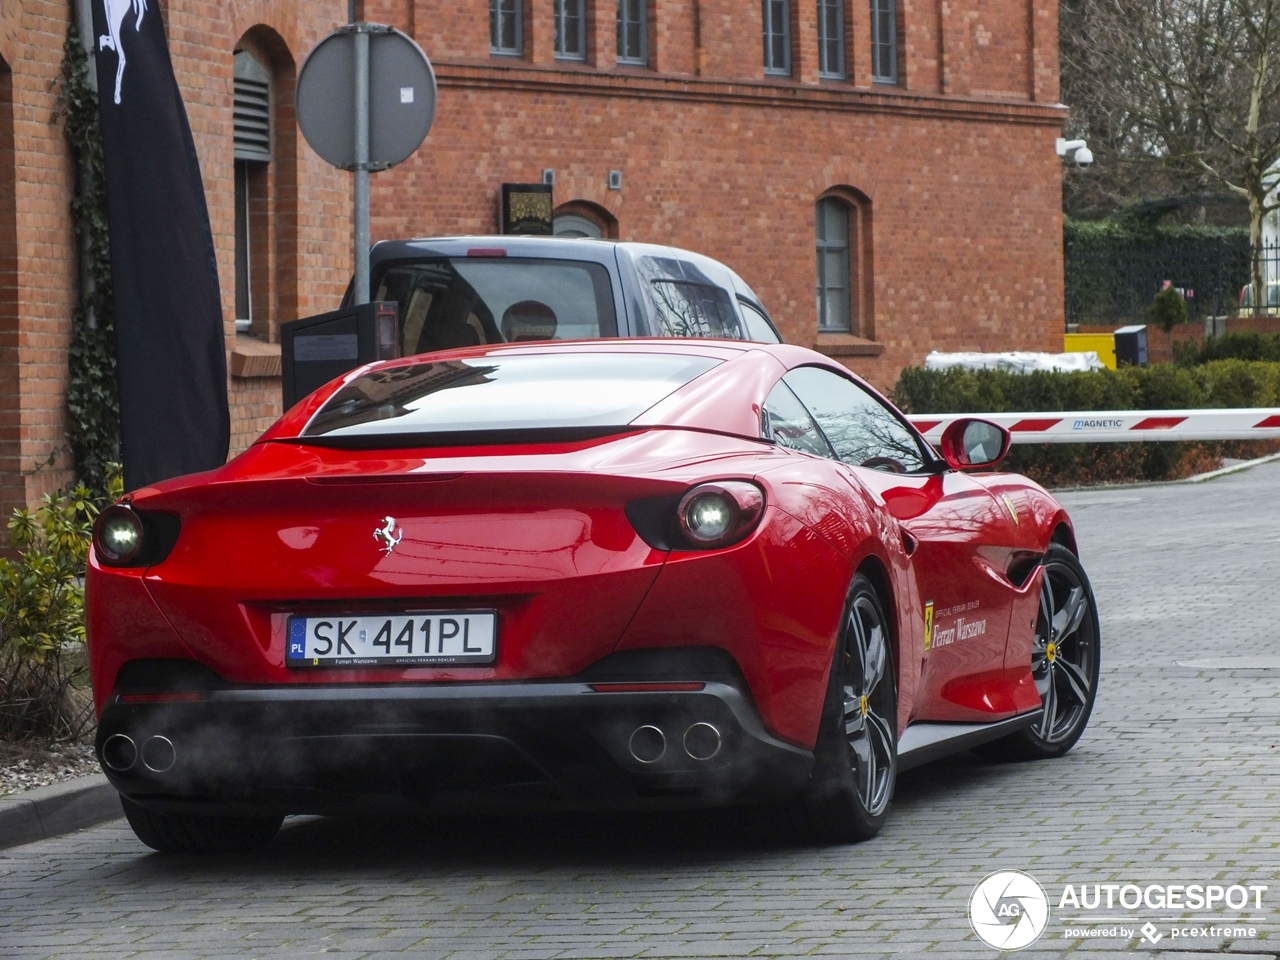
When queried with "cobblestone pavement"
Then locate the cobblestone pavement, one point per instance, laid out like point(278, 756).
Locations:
point(1176, 781)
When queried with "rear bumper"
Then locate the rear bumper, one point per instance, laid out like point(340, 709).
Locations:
point(337, 749)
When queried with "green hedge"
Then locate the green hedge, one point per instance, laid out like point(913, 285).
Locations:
point(1117, 237)
point(1246, 345)
point(1218, 383)
point(1113, 268)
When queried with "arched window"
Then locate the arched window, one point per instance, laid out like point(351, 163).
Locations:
point(253, 153)
point(833, 266)
point(582, 218)
point(844, 283)
point(573, 225)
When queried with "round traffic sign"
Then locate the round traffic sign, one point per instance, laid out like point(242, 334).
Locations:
point(402, 97)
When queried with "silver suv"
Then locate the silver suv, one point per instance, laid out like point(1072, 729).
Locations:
point(466, 291)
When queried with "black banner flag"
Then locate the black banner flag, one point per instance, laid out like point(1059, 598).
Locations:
point(168, 309)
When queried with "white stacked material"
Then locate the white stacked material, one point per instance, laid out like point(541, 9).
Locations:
point(1015, 362)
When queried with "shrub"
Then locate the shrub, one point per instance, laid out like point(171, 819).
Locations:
point(1220, 383)
point(1246, 345)
point(1168, 309)
point(42, 660)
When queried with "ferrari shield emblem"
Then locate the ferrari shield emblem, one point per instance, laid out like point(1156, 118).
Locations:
point(928, 625)
point(1011, 507)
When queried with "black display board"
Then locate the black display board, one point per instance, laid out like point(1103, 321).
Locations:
point(315, 350)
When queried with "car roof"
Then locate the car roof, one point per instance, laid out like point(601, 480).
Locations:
point(534, 247)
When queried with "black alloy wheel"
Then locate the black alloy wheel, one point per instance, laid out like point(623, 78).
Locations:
point(856, 758)
point(1064, 663)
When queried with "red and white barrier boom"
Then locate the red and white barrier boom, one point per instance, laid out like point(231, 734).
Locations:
point(1120, 426)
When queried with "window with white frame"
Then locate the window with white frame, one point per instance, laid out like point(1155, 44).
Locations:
point(633, 30)
point(831, 39)
point(833, 265)
point(777, 37)
point(884, 41)
point(506, 28)
point(571, 31)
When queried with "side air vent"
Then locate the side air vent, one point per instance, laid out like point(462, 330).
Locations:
point(1022, 566)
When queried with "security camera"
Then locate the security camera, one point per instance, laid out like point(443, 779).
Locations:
point(1082, 155)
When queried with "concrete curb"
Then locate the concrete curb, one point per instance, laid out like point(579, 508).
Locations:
point(54, 810)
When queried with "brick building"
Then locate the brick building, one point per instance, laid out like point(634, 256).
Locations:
point(880, 171)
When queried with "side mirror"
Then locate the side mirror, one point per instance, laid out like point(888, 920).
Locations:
point(970, 444)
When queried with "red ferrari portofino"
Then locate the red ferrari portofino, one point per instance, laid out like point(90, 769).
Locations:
point(599, 574)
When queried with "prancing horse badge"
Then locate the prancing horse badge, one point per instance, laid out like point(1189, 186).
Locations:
point(389, 535)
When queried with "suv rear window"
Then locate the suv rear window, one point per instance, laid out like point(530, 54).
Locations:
point(468, 301)
point(503, 393)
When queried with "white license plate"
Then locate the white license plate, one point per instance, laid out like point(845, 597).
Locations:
point(403, 640)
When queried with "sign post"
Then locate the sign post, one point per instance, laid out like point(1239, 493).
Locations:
point(362, 165)
point(366, 99)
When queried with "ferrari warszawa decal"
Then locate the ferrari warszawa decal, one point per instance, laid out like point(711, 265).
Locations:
point(962, 629)
point(388, 535)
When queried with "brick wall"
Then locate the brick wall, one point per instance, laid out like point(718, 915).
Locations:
point(955, 162)
point(39, 251)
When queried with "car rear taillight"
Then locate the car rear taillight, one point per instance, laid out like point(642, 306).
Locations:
point(718, 514)
point(708, 517)
point(124, 537)
point(118, 535)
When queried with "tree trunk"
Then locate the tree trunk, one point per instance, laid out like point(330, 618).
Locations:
point(1256, 281)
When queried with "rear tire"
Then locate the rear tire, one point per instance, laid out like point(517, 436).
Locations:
point(856, 758)
point(1064, 663)
point(189, 833)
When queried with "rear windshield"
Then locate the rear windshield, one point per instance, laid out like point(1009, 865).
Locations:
point(468, 301)
point(556, 391)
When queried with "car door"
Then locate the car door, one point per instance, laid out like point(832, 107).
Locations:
point(959, 533)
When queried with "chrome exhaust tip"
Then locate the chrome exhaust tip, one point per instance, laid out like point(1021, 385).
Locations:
point(702, 741)
point(648, 744)
point(158, 754)
point(119, 753)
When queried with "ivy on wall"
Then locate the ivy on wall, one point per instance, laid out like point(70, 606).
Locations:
point(93, 405)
